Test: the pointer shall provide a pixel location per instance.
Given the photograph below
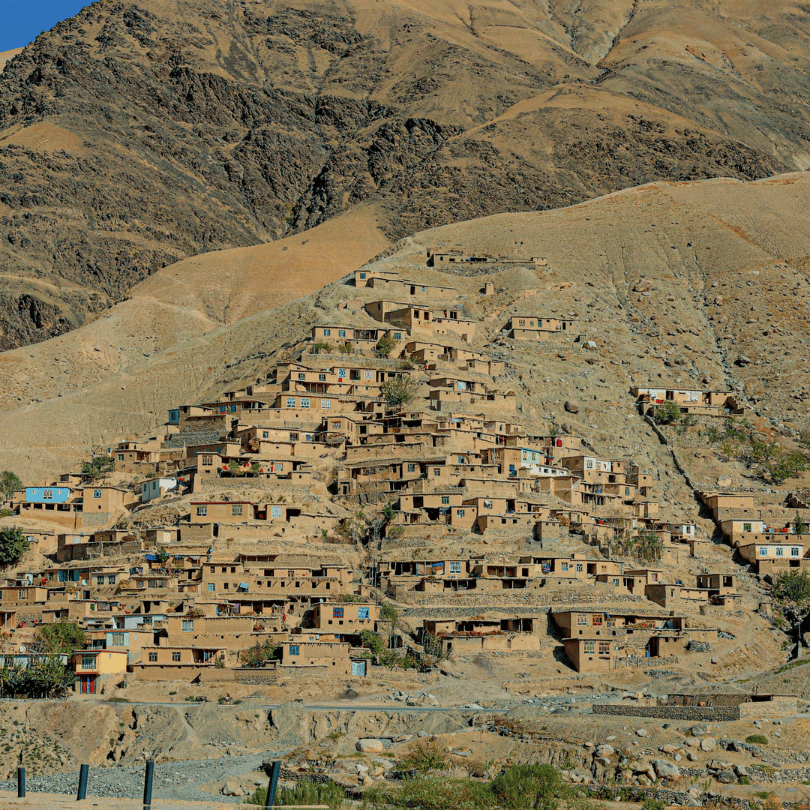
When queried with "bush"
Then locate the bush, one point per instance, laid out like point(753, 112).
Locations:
point(322, 348)
point(653, 804)
point(424, 757)
point(304, 793)
point(757, 739)
point(389, 613)
point(540, 787)
point(431, 794)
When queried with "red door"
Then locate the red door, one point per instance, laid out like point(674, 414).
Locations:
point(88, 684)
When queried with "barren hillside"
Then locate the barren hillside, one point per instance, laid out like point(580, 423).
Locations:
point(700, 282)
point(134, 136)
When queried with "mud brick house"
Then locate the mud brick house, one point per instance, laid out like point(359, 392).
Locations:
point(694, 402)
point(533, 327)
point(393, 284)
point(460, 637)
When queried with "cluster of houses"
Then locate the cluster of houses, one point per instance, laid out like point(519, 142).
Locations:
point(175, 595)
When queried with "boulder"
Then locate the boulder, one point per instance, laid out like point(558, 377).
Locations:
point(726, 777)
point(605, 751)
point(699, 729)
point(665, 769)
point(641, 732)
point(603, 761)
point(370, 746)
point(708, 744)
point(741, 770)
point(571, 405)
point(669, 748)
point(231, 788)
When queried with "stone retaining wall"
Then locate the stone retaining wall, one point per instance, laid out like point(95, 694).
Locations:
point(697, 713)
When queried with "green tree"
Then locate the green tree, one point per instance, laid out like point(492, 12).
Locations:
point(791, 597)
point(13, 545)
point(97, 466)
point(256, 655)
point(372, 642)
point(61, 638)
point(389, 613)
point(398, 391)
point(385, 345)
point(667, 413)
point(799, 526)
point(45, 676)
point(9, 482)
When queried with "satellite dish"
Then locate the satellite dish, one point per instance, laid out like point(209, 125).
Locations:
point(29, 578)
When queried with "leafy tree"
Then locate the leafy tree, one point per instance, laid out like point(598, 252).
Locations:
point(372, 642)
point(13, 545)
point(256, 655)
point(432, 646)
point(667, 413)
point(787, 465)
point(43, 677)
point(97, 466)
point(9, 482)
point(799, 526)
point(398, 391)
point(389, 613)
point(385, 345)
point(162, 555)
point(389, 513)
point(791, 597)
point(61, 637)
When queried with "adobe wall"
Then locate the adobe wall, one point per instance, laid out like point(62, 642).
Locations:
point(271, 677)
point(689, 713)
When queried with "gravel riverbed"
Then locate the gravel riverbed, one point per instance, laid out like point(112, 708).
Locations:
point(177, 781)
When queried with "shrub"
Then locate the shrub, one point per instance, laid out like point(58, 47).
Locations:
point(320, 347)
point(424, 757)
point(304, 793)
point(536, 786)
point(653, 804)
point(757, 739)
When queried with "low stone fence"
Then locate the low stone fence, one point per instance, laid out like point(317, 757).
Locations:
point(690, 713)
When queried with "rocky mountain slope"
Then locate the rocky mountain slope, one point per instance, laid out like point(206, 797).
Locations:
point(136, 135)
point(682, 283)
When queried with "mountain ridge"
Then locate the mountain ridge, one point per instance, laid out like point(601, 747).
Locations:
point(133, 136)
